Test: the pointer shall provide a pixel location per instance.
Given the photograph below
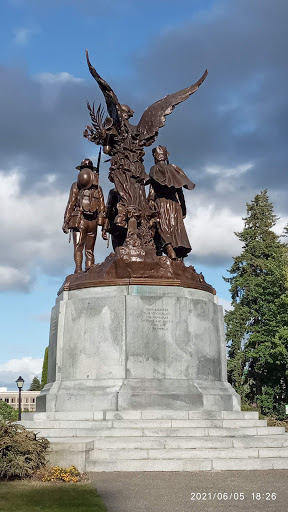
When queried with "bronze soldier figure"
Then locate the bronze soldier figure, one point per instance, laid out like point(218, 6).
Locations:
point(166, 182)
point(84, 212)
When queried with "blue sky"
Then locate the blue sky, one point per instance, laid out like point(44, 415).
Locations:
point(230, 137)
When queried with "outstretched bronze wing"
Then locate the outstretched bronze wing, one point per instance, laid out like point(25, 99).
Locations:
point(112, 102)
point(154, 116)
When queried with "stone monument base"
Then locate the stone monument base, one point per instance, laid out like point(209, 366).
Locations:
point(136, 348)
point(137, 382)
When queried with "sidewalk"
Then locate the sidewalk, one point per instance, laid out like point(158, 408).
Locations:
point(171, 491)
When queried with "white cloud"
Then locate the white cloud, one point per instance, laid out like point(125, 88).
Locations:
point(211, 231)
point(27, 367)
point(26, 364)
point(22, 35)
point(53, 84)
point(279, 228)
point(227, 306)
point(229, 172)
point(14, 278)
point(57, 78)
point(31, 230)
point(227, 179)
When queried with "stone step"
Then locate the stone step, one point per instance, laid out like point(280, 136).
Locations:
point(186, 453)
point(170, 453)
point(261, 441)
point(68, 452)
point(94, 424)
point(273, 452)
point(149, 465)
point(137, 415)
point(216, 464)
point(51, 424)
point(250, 464)
point(161, 432)
point(192, 442)
point(218, 432)
point(176, 454)
point(164, 442)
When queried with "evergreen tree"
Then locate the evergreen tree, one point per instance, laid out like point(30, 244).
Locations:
point(257, 327)
point(35, 385)
point(44, 377)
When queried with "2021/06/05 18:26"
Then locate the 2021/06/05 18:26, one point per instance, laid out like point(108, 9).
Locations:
point(236, 496)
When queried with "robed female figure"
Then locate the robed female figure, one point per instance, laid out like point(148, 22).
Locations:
point(166, 182)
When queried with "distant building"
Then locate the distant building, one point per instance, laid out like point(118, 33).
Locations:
point(28, 399)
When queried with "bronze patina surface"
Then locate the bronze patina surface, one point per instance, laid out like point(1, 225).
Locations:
point(125, 143)
point(147, 232)
point(85, 211)
point(134, 266)
point(166, 182)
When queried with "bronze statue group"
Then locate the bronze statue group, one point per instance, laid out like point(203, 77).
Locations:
point(133, 219)
point(86, 211)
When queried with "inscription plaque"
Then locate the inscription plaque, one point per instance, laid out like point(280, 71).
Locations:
point(158, 318)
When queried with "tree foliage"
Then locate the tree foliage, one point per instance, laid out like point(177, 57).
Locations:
point(257, 327)
point(7, 413)
point(35, 384)
point(44, 377)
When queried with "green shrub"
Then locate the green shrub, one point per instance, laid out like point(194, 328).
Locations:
point(246, 406)
point(267, 406)
point(7, 413)
point(21, 453)
point(272, 403)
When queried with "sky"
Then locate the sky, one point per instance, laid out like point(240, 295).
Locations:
point(230, 137)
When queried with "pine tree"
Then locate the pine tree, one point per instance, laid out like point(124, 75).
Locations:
point(35, 385)
point(44, 377)
point(257, 326)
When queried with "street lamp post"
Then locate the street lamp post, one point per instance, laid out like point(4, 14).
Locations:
point(19, 383)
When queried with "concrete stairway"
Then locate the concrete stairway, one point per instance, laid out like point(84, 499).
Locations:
point(161, 440)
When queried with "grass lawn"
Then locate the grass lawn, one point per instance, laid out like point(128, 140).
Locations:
point(29, 496)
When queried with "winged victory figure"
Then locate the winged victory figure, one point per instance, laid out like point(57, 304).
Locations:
point(125, 143)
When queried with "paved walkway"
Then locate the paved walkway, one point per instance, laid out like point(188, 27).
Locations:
point(171, 491)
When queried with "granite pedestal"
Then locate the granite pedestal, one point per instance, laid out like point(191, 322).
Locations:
point(136, 348)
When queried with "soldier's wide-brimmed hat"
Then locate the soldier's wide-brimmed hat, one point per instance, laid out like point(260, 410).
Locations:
point(86, 163)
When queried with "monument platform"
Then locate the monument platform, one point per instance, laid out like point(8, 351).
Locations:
point(137, 347)
point(137, 382)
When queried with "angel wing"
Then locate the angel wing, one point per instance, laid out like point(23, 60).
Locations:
point(113, 105)
point(154, 116)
